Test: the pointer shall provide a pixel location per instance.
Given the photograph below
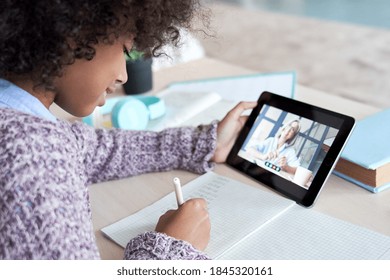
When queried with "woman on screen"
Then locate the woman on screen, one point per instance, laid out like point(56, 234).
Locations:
point(278, 150)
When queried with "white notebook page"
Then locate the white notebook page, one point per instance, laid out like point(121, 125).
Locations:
point(182, 107)
point(235, 210)
point(307, 234)
point(249, 223)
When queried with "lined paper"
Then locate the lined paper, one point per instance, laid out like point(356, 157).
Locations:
point(235, 209)
point(249, 223)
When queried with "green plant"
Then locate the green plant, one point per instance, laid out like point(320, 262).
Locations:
point(134, 55)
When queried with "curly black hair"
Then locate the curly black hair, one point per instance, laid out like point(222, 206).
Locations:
point(39, 37)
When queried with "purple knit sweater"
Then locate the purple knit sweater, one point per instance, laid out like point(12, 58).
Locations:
point(46, 168)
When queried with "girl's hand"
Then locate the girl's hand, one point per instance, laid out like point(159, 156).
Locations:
point(228, 130)
point(190, 223)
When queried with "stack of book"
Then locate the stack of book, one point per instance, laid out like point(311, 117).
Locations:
point(365, 160)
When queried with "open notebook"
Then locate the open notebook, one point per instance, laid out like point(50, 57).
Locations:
point(202, 101)
point(192, 108)
point(249, 223)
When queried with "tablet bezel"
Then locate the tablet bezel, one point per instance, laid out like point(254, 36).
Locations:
point(302, 196)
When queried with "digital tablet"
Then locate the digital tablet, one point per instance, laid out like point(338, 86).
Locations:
point(290, 146)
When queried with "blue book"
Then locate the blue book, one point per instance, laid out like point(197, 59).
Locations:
point(365, 160)
point(360, 184)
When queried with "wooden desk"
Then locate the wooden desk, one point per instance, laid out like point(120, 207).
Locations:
point(114, 200)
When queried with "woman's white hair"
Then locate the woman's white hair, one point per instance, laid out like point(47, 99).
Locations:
point(291, 141)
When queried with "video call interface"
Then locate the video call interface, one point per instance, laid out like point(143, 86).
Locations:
point(288, 145)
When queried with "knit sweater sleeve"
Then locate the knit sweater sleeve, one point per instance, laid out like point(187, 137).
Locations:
point(158, 246)
point(113, 154)
point(45, 212)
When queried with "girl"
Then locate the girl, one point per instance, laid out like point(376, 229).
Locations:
point(72, 53)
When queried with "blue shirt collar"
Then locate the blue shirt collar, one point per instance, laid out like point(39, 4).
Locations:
point(12, 96)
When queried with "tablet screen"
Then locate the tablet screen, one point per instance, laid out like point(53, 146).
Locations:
point(286, 143)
